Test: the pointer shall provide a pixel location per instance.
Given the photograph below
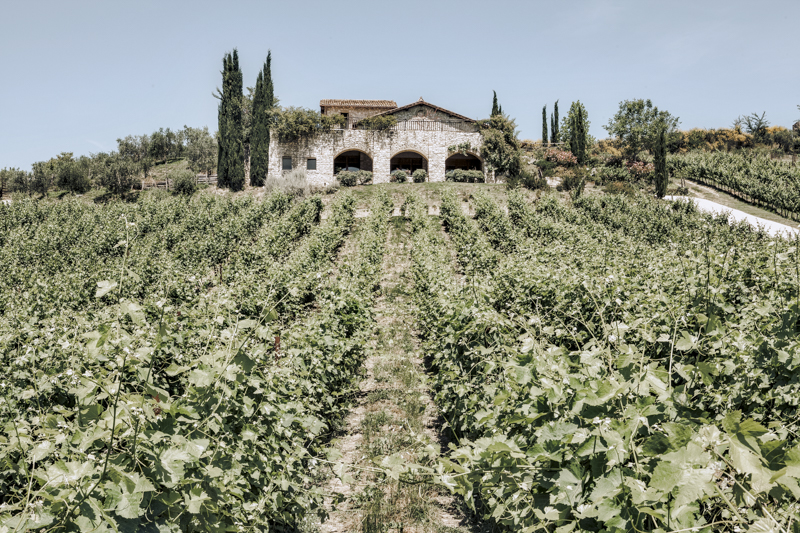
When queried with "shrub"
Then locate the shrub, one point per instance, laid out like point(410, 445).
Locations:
point(574, 181)
point(533, 180)
point(183, 182)
point(612, 174)
point(619, 187)
point(347, 178)
point(561, 157)
point(640, 170)
point(364, 177)
point(548, 167)
point(465, 176)
point(420, 175)
point(377, 123)
point(398, 176)
point(293, 183)
point(294, 123)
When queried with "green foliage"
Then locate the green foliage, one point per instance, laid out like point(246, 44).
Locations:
point(500, 150)
point(608, 174)
point(574, 181)
point(263, 103)
point(377, 123)
point(398, 176)
point(347, 178)
point(465, 176)
point(118, 174)
point(183, 182)
point(585, 396)
point(420, 175)
point(230, 163)
point(636, 123)
point(660, 162)
point(460, 148)
point(200, 150)
point(533, 180)
point(544, 126)
point(156, 395)
point(574, 131)
point(295, 123)
point(555, 136)
point(755, 125)
point(754, 178)
point(495, 107)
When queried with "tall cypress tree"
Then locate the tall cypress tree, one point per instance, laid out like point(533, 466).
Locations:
point(544, 125)
point(580, 135)
point(495, 108)
point(660, 161)
point(554, 124)
point(259, 138)
point(223, 111)
point(236, 161)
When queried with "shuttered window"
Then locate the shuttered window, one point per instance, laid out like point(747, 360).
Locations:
point(287, 163)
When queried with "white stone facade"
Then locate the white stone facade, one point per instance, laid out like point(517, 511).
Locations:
point(430, 140)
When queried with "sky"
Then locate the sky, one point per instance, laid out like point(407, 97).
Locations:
point(78, 75)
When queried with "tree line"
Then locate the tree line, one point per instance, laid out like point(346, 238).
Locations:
point(135, 157)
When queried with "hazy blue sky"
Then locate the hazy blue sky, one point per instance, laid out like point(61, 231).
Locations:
point(77, 75)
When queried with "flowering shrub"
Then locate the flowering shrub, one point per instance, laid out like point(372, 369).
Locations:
point(640, 169)
point(561, 157)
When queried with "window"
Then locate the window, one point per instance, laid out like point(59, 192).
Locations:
point(311, 164)
point(287, 163)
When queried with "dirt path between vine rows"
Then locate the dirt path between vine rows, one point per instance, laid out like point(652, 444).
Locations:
point(394, 414)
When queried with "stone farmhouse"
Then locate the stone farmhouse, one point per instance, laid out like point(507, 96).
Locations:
point(420, 139)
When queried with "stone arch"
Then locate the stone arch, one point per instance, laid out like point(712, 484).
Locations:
point(408, 159)
point(352, 159)
point(465, 161)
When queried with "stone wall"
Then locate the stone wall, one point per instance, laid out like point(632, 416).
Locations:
point(381, 146)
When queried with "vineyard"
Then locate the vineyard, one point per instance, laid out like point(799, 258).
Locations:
point(755, 179)
point(608, 364)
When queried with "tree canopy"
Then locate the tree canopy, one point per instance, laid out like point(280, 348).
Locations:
point(636, 123)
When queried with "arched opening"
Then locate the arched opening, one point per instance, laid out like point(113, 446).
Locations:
point(353, 161)
point(408, 161)
point(462, 162)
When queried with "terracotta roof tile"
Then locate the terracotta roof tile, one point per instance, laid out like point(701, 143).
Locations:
point(358, 103)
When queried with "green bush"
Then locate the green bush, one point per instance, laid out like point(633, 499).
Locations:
point(612, 174)
point(183, 182)
point(619, 187)
point(398, 176)
point(347, 178)
point(575, 181)
point(364, 177)
point(548, 167)
point(465, 176)
point(529, 180)
point(420, 176)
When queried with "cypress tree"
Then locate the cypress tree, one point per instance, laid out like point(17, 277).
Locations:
point(236, 153)
point(259, 138)
point(544, 126)
point(554, 124)
point(222, 154)
point(495, 108)
point(580, 135)
point(573, 135)
point(660, 161)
